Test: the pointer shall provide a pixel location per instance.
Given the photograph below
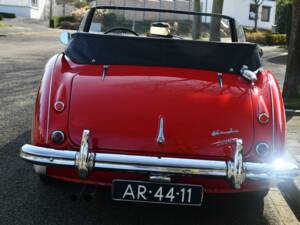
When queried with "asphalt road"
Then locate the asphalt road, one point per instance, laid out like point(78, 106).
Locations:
point(25, 200)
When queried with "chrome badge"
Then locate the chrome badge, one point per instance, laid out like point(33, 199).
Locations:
point(161, 137)
point(224, 132)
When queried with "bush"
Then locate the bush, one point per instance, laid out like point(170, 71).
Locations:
point(56, 21)
point(0, 17)
point(69, 25)
point(81, 4)
point(284, 16)
point(267, 38)
point(7, 15)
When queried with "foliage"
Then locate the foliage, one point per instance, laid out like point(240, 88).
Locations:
point(69, 25)
point(8, 15)
point(266, 38)
point(107, 18)
point(56, 21)
point(293, 103)
point(60, 2)
point(81, 4)
point(0, 17)
point(3, 25)
point(77, 3)
point(284, 17)
point(79, 13)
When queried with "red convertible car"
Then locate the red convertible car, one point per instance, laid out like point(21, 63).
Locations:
point(161, 105)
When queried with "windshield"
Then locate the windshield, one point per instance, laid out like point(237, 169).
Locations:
point(160, 23)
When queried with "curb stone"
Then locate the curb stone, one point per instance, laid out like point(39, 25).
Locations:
point(281, 209)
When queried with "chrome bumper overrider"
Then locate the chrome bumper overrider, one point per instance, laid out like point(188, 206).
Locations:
point(237, 170)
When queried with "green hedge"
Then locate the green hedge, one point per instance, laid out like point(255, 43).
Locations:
point(57, 20)
point(7, 15)
point(284, 16)
point(267, 38)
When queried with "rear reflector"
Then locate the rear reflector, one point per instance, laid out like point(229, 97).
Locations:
point(58, 137)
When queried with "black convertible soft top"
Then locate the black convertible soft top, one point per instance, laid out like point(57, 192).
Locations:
point(88, 48)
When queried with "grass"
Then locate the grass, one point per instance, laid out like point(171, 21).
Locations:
point(283, 47)
point(292, 103)
point(3, 25)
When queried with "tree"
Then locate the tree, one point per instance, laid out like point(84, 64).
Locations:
point(218, 6)
point(50, 12)
point(284, 16)
point(197, 20)
point(257, 4)
point(291, 90)
point(63, 3)
point(216, 22)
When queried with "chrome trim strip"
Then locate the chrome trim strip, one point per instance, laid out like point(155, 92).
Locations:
point(84, 159)
point(160, 179)
point(236, 170)
point(220, 80)
point(273, 114)
point(161, 137)
point(49, 100)
point(104, 71)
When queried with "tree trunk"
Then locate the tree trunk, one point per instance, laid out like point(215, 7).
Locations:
point(216, 22)
point(291, 90)
point(64, 8)
point(196, 21)
point(50, 12)
point(256, 17)
point(218, 6)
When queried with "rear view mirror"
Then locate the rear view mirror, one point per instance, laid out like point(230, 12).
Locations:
point(65, 37)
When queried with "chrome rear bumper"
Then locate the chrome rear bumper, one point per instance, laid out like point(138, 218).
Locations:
point(237, 170)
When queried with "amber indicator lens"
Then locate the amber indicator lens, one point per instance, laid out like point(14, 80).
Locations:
point(59, 106)
point(58, 137)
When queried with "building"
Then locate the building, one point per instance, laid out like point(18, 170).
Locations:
point(241, 10)
point(244, 12)
point(24, 8)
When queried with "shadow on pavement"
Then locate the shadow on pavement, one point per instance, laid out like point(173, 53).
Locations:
point(24, 198)
point(289, 116)
point(291, 193)
point(282, 59)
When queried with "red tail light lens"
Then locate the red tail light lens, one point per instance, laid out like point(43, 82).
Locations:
point(264, 118)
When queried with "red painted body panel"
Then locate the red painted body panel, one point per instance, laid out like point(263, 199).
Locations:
point(122, 113)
